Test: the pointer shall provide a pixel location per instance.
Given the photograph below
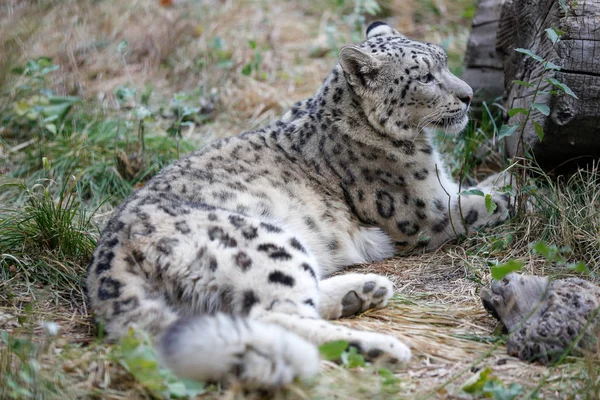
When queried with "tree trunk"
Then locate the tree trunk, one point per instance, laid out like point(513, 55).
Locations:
point(572, 130)
point(483, 64)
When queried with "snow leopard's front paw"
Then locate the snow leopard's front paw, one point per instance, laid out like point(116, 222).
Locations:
point(476, 214)
point(350, 294)
point(381, 349)
point(501, 212)
point(497, 185)
point(476, 210)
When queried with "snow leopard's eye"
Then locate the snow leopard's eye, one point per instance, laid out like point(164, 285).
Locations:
point(426, 78)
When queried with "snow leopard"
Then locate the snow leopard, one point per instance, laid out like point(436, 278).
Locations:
point(228, 257)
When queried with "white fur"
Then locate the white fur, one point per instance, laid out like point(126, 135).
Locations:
point(320, 332)
point(252, 224)
point(334, 289)
point(212, 347)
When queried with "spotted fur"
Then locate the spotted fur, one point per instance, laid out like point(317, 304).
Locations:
point(224, 255)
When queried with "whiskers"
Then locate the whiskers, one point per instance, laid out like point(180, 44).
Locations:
point(442, 120)
point(433, 117)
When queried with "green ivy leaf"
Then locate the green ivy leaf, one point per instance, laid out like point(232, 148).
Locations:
point(51, 128)
point(59, 106)
point(501, 270)
point(471, 192)
point(508, 189)
point(177, 389)
point(352, 358)
point(474, 385)
point(563, 5)
point(552, 35)
point(544, 109)
point(581, 267)
point(539, 131)
point(496, 389)
point(530, 54)
point(247, 70)
point(142, 112)
point(193, 388)
point(490, 205)
point(562, 87)
point(514, 111)
point(522, 83)
point(333, 350)
point(388, 377)
point(552, 254)
point(542, 249)
point(469, 12)
point(124, 93)
point(135, 353)
point(506, 130)
point(122, 47)
point(551, 65)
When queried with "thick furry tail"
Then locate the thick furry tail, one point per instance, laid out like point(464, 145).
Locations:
point(231, 349)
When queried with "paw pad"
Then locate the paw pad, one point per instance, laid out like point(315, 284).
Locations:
point(381, 349)
point(380, 293)
point(351, 304)
point(369, 286)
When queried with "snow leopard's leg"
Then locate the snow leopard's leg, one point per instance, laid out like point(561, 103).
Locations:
point(349, 294)
point(171, 277)
point(373, 346)
point(258, 266)
point(467, 211)
point(474, 209)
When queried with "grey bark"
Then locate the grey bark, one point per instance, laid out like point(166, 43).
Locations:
point(483, 63)
point(572, 130)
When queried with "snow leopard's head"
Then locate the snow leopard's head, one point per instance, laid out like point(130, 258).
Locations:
point(405, 83)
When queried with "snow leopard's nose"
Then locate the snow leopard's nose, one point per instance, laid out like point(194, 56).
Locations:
point(466, 99)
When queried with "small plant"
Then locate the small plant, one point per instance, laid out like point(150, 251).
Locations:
point(356, 20)
point(485, 384)
point(22, 373)
point(524, 159)
point(137, 356)
point(499, 271)
point(343, 351)
point(219, 54)
point(350, 28)
point(33, 108)
point(558, 256)
point(48, 238)
point(349, 357)
point(253, 66)
point(109, 152)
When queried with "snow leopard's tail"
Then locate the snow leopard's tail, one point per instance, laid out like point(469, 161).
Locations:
point(227, 348)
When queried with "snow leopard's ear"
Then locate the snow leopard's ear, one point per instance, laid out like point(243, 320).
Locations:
point(360, 68)
point(379, 28)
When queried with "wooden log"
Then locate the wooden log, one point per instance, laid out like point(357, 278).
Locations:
point(572, 130)
point(483, 64)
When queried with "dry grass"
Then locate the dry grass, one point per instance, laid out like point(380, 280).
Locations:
point(205, 46)
point(436, 311)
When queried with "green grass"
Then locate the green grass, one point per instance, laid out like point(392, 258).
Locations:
point(46, 240)
point(58, 137)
